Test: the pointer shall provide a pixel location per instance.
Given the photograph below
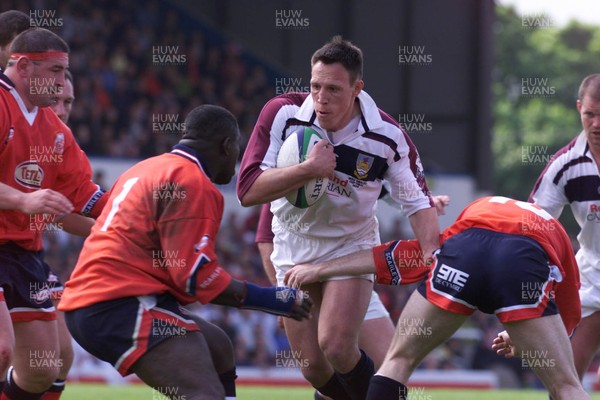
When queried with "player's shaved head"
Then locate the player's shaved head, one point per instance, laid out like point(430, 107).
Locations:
point(338, 50)
point(590, 86)
point(213, 132)
point(38, 40)
point(209, 123)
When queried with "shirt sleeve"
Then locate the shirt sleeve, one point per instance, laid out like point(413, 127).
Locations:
point(263, 146)
point(406, 179)
point(75, 179)
point(399, 262)
point(548, 192)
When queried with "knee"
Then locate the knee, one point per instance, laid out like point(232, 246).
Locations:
point(6, 357)
point(66, 357)
point(40, 378)
point(339, 350)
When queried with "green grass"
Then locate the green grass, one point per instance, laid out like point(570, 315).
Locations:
point(140, 392)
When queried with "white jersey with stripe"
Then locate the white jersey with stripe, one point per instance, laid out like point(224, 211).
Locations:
point(572, 178)
point(375, 151)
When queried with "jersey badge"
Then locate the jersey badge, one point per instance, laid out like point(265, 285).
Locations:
point(59, 143)
point(363, 165)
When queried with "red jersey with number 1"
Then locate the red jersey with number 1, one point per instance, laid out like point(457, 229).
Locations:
point(156, 235)
point(38, 151)
point(401, 262)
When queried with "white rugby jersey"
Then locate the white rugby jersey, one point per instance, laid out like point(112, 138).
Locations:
point(378, 150)
point(572, 177)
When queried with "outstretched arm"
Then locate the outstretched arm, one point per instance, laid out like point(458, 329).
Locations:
point(275, 300)
point(361, 262)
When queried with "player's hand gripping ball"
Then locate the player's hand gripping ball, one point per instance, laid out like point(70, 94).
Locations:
point(294, 150)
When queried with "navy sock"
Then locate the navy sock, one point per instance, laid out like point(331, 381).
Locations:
point(334, 389)
point(357, 380)
point(12, 391)
point(228, 381)
point(384, 388)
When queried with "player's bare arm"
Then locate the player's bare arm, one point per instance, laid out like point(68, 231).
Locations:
point(275, 183)
point(281, 301)
point(44, 201)
point(359, 263)
point(77, 224)
point(425, 225)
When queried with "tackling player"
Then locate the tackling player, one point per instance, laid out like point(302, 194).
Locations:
point(500, 256)
point(44, 175)
point(152, 250)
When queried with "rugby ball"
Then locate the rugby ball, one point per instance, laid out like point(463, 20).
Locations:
point(293, 151)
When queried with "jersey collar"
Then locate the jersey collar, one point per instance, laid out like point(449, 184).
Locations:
point(5, 82)
point(192, 155)
point(370, 119)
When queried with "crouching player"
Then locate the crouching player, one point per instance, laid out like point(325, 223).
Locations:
point(152, 250)
point(500, 256)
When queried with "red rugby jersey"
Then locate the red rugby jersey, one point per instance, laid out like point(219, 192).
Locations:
point(156, 234)
point(38, 151)
point(400, 262)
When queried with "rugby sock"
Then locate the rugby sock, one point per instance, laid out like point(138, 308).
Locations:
point(357, 380)
point(55, 390)
point(228, 381)
point(334, 389)
point(382, 388)
point(12, 392)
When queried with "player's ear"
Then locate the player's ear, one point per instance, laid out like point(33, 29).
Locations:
point(358, 86)
point(24, 67)
point(226, 145)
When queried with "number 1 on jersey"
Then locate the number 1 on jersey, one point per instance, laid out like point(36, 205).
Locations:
point(117, 201)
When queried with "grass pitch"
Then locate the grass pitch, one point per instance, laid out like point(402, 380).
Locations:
point(140, 392)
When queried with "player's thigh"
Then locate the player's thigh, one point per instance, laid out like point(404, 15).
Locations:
point(343, 308)
point(219, 344)
point(181, 365)
point(543, 345)
point(7, 339)
point(585, 342)
point(421, 327)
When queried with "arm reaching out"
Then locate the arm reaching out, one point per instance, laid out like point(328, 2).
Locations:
point(274, 300)
point(358, 263)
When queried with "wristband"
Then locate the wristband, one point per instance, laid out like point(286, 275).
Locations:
point(277, 300)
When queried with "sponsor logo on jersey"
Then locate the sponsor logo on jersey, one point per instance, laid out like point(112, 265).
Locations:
point(594, 214)
point(451, 277)
point(59, 143)
point(363, 165)
point(29, 174)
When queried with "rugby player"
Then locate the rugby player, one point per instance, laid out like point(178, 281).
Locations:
point(153, 250)
point(500, 256)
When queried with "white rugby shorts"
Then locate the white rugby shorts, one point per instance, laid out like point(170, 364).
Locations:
point(589, 293)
